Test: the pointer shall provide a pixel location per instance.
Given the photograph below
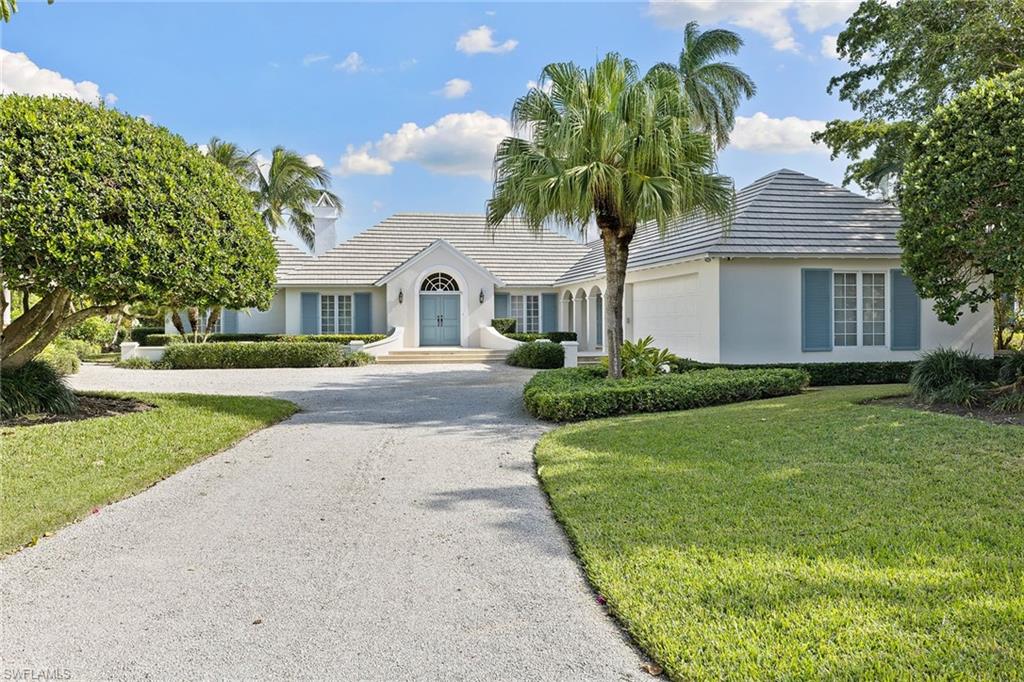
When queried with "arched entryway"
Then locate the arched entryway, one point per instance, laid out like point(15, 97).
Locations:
point(440, 310)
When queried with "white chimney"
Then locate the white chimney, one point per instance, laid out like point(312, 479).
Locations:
point(325, 218)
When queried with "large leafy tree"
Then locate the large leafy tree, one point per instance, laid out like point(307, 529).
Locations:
point(905, 59)
point(962, 198)
point(607, 145)
point(286, 191)
point(712, 88)
point(100, 210)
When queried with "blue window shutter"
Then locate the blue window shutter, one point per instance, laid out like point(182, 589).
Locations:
point(816, 309)
point(310, 312)
point(599, 318)
point(229, 321)
point(549, 304)
point(501, 305)
point(906, 313)
point(361, 316)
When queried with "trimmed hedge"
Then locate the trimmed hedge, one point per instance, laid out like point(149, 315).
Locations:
point(564, 395)
point(139, 334)
point(165, 339)
point(844, 373)
point(33, 388)
point(537, 356)
point(555, 337)
point(259, 355)
point(504, 325)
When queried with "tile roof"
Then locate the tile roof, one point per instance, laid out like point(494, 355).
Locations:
point(785, 213)
point(513, 253)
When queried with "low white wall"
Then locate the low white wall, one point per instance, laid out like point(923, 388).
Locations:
point(130, 349)
point(394, 341)
point(489, 337)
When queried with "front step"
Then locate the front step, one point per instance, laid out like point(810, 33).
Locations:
point(418, 356)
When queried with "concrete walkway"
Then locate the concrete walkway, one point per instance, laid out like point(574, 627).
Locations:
point(392, 530)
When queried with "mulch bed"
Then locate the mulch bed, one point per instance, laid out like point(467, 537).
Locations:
point(89, 407)
point(982, 413)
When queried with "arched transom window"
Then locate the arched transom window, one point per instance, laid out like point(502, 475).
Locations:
point(439, 282)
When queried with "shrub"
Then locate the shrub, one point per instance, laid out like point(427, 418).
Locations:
point(82, 349)
point(139, 334)
point(34, 387)
point(253, 355)
point(641, 359)
point(504, 325)
point(537, 355)
point(95, 330)
point(945, 375)
point(1012, 368)
point(586, 393)
point(63, 360)
point(165, 339)
point(357, 359)
point(554, 337)
point(1011, 401)
point(136, 363)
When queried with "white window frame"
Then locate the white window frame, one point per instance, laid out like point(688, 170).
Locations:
point(859, 286)
point(522, 323)
point(339, 304)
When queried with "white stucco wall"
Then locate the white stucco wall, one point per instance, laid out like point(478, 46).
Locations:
point(270, 321)
point(761, 306)
point(292, 315)
point(474, 314)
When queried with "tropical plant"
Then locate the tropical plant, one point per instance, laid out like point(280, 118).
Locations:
point(712, 88)
point(34, 387)
point(642, 359)
point(962, 199)
point(286, 191)
point(608, 146)
point(100, 210)
point(231, 156)
point(906, 58)
point(10, 7)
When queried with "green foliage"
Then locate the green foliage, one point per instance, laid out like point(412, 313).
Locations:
point(33, 388)
point(801, 538)
point(948, 375)
point(161, 339)
point(537, 355)
point(101, 209)
point(61, 358)
point(286, 193)
point(555, 337)
point(963, 199)
point(356, 359)
point(575, 394)
point(642, 359)
point(95, 330)
point(1012, 368)
point(504, 325)
point(906, 59)
point(51, 473)
point(230, 355)
point(136, 363)
point(1011, 401)
point(139, 335)
point(713, 89)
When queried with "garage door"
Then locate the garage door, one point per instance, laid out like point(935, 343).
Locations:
point(667, 310)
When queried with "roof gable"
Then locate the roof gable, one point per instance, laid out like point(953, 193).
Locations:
point(439, 245)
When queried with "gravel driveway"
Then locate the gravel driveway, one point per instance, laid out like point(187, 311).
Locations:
point(392, 530)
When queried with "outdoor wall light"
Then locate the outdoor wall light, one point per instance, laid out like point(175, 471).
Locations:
point(481, 295)
point(401, 296)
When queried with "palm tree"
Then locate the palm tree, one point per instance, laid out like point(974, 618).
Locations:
point(607, 145)
point(231, 156)
point(712, 88)
point(287, 190)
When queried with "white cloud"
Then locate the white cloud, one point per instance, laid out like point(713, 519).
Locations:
point(828, 47)
point(146, 117)
point(407, 64)
point(771, 18)
point(455, 144)
point(361, 162)
point(314, 58)
point(762, 133)
point(20, 75)
point(481, 39)
point(313, 160)
point(352, 63)
point(110, 99)
point(376, 205)
point(455, 88)
point(530, 85)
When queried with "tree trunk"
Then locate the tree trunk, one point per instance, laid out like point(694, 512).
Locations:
point(616, 238)
point(211, 321)
point(193, 319)
point(179, 326)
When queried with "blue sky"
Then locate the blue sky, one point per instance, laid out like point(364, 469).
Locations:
point(363, 86)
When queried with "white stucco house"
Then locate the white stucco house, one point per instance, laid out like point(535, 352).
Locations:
point(806, 272)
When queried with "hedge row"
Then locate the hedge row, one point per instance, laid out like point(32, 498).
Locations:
point(165, 339)
point(259, 355)
point(575, 394)
point(139, 334)
point(537, 356)
point(843, 373)
point(554, 337)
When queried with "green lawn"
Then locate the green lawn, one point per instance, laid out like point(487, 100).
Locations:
point(802, 537)
point(53, 474)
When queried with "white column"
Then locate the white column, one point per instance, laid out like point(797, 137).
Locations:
point(581, 322)
point(571, 353)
